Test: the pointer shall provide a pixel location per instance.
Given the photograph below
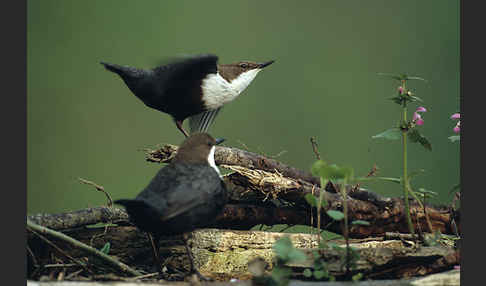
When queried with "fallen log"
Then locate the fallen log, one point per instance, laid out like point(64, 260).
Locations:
point(253, 194)
point(225, 254)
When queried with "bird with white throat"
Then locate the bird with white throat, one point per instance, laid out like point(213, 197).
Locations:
point(195, 87)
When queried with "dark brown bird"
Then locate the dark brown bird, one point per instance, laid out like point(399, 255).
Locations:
point(195, 87)
point(185, 195)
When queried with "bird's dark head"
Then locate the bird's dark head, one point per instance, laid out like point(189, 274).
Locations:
point(241, 74)
point(197, 148)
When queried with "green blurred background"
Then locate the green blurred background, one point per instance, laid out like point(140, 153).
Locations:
point(84, 122)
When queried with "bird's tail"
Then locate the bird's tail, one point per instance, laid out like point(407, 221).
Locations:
point(134, 78)
point(202, 121)
point(115, 68)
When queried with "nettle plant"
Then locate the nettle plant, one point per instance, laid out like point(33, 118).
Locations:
point(340, 177)
point(457, 128)
point(407, 130)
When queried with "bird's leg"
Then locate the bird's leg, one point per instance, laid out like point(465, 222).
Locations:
point(179, 125)
point(191, 259)
point(154, 242)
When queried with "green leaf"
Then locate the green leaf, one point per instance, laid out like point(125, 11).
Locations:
point(427, 192)
point(311, 200)
point(319, 274)
point(415, 78)
point(397, 99)
point(331, 172)
point(454, 138)
point(415, 98)
point(360, 222)
point(323, 200)
point(335, 215)
point(415, 136)
point(317, 166)
point(401, 77)
point(297, 255)
point(334, 246)
point(281, 275)
point(348, 172)
point(388, 179)
point(357, 277)
point(327, 236)
point(106, 248)
point(393, 76)
point(282, 248)
point(390, 134)
point(307, 273)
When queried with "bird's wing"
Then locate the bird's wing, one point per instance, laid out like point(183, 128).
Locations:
point(172, 196)
point(202, 121)
point(182, 73)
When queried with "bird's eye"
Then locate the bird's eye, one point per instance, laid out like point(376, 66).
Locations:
point(243, 65)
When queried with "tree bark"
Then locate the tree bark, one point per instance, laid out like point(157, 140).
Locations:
point(235, 157)
point(258, 197)
point(225, 254)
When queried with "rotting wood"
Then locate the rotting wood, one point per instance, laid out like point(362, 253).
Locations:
point(253, 181)
point(80, 218)
point(224, 254)
point(251, 194)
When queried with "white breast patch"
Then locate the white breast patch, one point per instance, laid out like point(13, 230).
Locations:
point(211, 161)
point(217, 91)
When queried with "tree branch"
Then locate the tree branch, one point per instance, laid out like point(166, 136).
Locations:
point(117, 264)
point(235, 157)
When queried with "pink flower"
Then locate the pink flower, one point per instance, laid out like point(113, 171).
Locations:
point(457, 128)
point(400, 89)
point(421, 109)
point(417, 119)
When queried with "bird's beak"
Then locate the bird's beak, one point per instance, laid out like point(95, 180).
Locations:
point(262, 65)
point(219, 140)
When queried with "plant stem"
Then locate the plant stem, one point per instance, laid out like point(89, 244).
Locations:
point(405, 175)
point(319, 206)
point(345, 231)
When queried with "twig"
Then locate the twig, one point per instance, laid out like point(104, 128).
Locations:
point(312, 212)
point(73, 274)
point(143, 276)
point(373, 171)
point(119, 265)
point(98, 235)
point(314, 147)
point(60, 250)
point(99, 188)
point(244, 145)
point(32, 256)
point(399, 236)
point(60, 265)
